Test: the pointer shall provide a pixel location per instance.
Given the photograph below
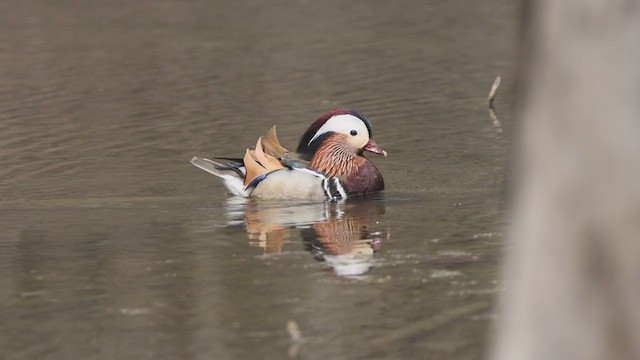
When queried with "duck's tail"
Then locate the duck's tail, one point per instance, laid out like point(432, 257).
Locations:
point(232, 173)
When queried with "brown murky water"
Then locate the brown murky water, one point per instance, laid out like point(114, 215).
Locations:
point(114, 247)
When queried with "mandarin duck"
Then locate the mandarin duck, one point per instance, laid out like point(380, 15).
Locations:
point(328, 163)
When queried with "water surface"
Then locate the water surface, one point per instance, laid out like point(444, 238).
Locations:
point(114, 246)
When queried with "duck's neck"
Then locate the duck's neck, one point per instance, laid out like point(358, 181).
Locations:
point(336, 159)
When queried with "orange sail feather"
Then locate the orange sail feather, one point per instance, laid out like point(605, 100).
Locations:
point(265, 158)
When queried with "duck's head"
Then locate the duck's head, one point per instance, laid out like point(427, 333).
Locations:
point(342, 129)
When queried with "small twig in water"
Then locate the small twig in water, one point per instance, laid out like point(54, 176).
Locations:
point(492, 110)
point(296, 337)
point(294, 331)
point(493, 91)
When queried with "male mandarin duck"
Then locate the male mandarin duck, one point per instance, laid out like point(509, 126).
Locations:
point(328, 163)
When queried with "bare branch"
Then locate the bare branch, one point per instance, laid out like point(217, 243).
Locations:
point(492, 110)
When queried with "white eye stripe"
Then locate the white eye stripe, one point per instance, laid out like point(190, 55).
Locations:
point(343, 124)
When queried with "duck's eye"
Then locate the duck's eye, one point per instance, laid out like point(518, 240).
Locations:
point(353, 133)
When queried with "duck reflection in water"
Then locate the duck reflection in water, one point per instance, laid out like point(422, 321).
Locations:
point(344, 234)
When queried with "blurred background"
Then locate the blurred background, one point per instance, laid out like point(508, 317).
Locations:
point(114, 246)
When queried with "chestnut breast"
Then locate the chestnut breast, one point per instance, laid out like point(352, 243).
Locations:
point(366, 178)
